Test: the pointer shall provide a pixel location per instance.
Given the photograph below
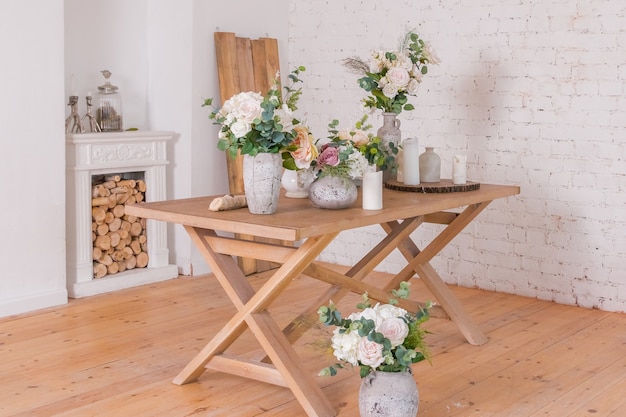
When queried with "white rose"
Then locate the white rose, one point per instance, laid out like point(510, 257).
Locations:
point(249, 108)
point(345, 346)
point(403, 62)
point(416, 73)
point(240, 128)
point(376, 66)
point(389, 311)
point(430, 55)
point(399, 77)
point(369, 313)
point(370, 353)
point(394, 329)
point(285, 116)
point(412, 86)
point(390, 90)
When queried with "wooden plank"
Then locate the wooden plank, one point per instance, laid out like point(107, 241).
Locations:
point(245, 65)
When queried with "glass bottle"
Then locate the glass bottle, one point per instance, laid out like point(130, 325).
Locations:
point(430, 166)
point(109, 113)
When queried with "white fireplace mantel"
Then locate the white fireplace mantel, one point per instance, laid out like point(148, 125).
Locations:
point(92, 154)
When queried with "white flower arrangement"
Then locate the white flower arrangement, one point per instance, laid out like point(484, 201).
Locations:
point(382, 337)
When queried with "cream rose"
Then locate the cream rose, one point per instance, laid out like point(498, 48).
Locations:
point(240, 128)
point(370, 353)
point(394, 329)
point(398, 76)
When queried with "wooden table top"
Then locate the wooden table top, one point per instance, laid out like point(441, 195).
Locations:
point(296, 219)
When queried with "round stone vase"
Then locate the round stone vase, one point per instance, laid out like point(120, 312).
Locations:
point(332, 192)
point(261, 182)
point(388, 394)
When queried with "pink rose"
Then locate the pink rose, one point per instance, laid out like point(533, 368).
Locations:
point(306, 151)
point(370, 353)
point(399, 77)
point(394, 329)
point(329, 156)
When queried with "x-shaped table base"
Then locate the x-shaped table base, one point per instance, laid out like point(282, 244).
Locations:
point(284, 367)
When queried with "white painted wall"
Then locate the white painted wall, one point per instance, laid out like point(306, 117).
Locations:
point(533, 92)
point(32, 190)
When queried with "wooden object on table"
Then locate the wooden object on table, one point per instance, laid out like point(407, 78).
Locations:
point(443, 186)
point(297, 220)
point(244, 64)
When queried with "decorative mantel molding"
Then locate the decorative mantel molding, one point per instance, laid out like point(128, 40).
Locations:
point(89, 154)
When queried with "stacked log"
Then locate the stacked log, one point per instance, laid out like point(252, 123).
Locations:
point(119, 240)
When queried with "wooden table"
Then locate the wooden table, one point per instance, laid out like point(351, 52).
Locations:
point(307, 231)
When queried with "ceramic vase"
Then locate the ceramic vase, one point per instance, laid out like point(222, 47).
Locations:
point(388, 394)
point(333, 192)
point(297, 183)
point(261, 181)
point(430, 166)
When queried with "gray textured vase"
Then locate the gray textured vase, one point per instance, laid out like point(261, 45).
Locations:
point(331, 192)
point(390, 130)
point(430, 166)
point(388, 133)
point(261, 182)
point(388, 394)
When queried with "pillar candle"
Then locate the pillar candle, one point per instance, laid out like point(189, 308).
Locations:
point(410, 159)
point(459, 169)
point(373, 190)
point(400, 166)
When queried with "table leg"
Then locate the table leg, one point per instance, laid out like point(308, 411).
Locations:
point(251, 306)
point(418, 262)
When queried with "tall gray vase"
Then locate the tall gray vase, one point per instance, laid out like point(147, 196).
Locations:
point(389, 133)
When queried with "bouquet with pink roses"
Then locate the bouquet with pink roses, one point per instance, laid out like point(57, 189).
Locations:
point(382, 337)
point(252, 123)
point(349, 153)
point(390, 76)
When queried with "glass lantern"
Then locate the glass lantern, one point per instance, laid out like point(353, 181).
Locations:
point(109, 113)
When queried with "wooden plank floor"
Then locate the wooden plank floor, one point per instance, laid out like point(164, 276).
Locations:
point(116, 354)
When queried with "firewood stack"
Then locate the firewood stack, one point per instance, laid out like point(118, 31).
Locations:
point(119, 240)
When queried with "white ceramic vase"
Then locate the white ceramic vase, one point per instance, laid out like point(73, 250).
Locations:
point(297, 183)
point(388, 394)
point(261, 181)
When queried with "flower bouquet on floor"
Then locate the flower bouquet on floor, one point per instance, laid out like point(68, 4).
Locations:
point(382, 337)
point(384, 341)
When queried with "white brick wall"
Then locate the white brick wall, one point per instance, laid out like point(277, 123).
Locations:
point(534, 93)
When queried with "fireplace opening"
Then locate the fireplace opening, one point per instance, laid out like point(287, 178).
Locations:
point(120, 241)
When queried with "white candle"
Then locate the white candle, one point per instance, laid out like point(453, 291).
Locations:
point(373, 190)
point(399, 159)
point(459, 169)
point(410, 159)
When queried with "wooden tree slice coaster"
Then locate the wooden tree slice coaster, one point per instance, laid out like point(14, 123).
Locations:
point(444, 186)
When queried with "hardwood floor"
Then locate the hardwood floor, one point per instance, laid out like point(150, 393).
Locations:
point(116, 354)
